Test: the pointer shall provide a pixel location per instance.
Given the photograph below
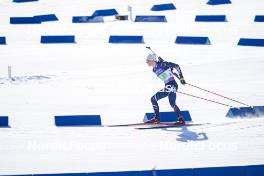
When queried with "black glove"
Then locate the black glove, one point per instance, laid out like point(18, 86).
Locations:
point(182, 79)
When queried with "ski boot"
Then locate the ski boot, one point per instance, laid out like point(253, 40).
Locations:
point(154, 120)
point(180, 121)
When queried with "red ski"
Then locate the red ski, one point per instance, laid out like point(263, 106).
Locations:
point(175, 125)
point(142, 124)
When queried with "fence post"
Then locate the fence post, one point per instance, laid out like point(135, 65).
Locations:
point(129, 8)
point(9, 72)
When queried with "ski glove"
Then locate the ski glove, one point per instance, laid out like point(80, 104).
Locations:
point(182, 79)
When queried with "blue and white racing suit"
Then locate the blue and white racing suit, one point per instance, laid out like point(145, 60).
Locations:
point(164, 70)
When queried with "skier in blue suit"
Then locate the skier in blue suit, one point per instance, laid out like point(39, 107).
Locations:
point(164, 70)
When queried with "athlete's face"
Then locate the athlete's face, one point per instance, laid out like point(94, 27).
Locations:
point(151, 63)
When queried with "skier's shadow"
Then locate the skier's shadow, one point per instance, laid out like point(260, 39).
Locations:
point(187, 135)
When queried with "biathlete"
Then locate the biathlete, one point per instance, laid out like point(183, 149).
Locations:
point(165, 71)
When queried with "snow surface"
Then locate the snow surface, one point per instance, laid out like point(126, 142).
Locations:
point(95, 77)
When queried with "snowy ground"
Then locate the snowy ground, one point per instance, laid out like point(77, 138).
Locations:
point(94, 77)
point(107, 149)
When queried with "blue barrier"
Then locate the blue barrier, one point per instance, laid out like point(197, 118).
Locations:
point(24, 20)
point(251, 42)
point(58, 39)
point(210, 18)
point(253, 170)
point(168, 116)
point(162, 7)
point(254, 111)
point(193, 40)
point(4, 121)
point(45, 18)
point(87, 19)
point(105, 12)
point(259, 18)
point(2, 41)
point(78, 120)
point(124, 173)
point(63, 174)
point(256, 170)
point(150, 18)
point(174, 172)
point(218, 2)
point(219, 171)
point(21, 1)
point(126, 39)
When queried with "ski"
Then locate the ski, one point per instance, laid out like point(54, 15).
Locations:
point(142, 124)
point(125, 125)
point(157, 126)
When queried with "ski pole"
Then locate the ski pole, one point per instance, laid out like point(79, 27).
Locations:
point(160, 59)
point(218, 94)
point(148, 47)
point(205, 99)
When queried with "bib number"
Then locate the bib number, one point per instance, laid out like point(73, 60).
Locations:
point(166, 75)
